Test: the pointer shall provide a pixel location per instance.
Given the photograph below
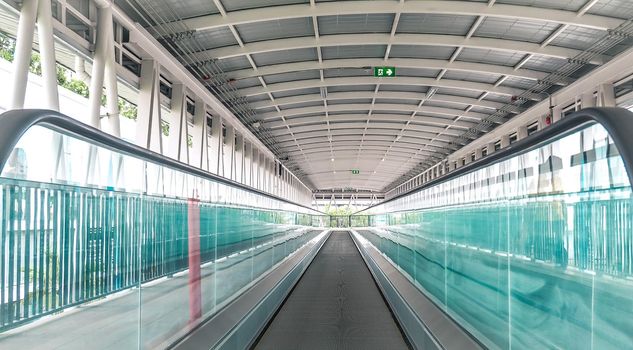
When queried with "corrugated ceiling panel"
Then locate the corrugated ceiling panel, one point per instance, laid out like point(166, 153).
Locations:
point(248, 82)
point(444, 104)
point(435, 24)
point(417, 72)
point(234, 63)
point(277, 57)
point(490, 56)
point(579, 38)
point(361, 23)
point(515, 29)
point(345, 88)
point(613, 8)
point(544, 63)
point(234, 5)
point(176, 9)
point(421, 51)
point(458, 92)
point(292, 76)
point(347, 72)
point(277, 29)
point(355, 51)
point(399, 101)
point(307, 91)
point(472, 76)
point(212, 38)
point(569, 5)
point(404, 88)
point(349, 101)
point(517, 82)
point(301, 105)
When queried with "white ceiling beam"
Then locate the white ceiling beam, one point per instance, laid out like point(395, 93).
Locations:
point(368, 63)
point(375, 117)
point(384, 39)
point(411, 81)
point(587, 7)
point(377, 106)
point(467, 8)
point(430, 131)
point(425, 137)
point(398, 95)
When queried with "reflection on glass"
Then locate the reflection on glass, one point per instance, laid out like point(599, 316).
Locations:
point(146, 252)
point(532, 252)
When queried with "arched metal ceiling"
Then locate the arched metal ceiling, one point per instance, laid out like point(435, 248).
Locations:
point(305, 69)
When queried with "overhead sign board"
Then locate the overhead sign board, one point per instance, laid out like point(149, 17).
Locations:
point(382, 72)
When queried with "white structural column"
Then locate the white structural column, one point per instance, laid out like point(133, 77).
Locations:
point(23, 49)
point(178, 127)
point(199, 149)
point(47, 53)
point(239, 158)
point(606, 95)
point(248, 163)
point(261, 167)
point(148, 128)
point(103, 64)
point(229, 149)
point(255, 168)
point(215, 156)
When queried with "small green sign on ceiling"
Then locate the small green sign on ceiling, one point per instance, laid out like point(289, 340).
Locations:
point(382, 72)
point(355, 171)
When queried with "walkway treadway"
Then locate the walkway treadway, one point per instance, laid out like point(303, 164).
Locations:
point(335, 305)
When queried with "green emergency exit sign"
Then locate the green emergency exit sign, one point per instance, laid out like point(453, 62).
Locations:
point(381, 72)
point(355, 171)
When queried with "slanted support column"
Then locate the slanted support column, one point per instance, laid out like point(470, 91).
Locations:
point(200, 151)
point(103, 70)
point(23, 49)
point(148, 130)
point(215, 157)
point(229, 145)
point(178, 145)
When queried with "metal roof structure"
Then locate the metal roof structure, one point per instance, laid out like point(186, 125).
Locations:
point(299, 73)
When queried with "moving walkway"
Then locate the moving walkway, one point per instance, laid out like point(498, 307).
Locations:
point(105, 244)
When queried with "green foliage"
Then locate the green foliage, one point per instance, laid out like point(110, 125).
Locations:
point(164, 127)
point(189, 141)
point(338, 211)
point(77, 86)
point(7, 48)
point(7, 52)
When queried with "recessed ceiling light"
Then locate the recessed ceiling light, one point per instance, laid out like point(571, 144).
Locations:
point(332, 159)
point(382, 160)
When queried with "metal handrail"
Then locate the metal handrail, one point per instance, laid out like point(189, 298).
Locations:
point(15, 123)
point(617, 121)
